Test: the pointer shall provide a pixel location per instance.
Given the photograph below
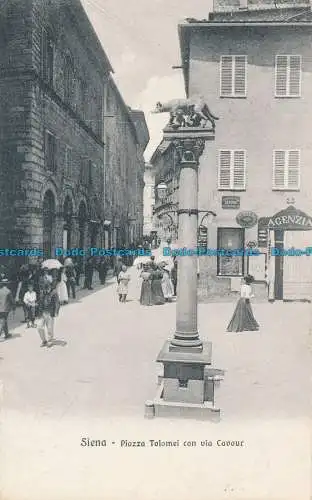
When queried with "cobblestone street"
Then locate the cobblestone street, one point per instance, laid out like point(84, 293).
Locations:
point(96, 385)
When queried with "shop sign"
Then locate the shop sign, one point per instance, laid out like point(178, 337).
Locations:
point(290, 221)
point(247, 219)
point(231, 202)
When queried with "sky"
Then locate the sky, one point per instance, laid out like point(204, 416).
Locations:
point(140, 38)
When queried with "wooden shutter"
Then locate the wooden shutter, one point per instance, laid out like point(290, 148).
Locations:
point(279, 168)
point(240, 75)
point(224, 169)
point(294, 76)
point(281, 64)
point(287, 76)
point(293, 177)
point(239, 169)
point(226, 87)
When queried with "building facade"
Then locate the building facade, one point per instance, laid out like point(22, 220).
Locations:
point(149, 199)
point(126, 137)
point(164, 161)
point(58, 187)
point(252, 64)
point(51, 124)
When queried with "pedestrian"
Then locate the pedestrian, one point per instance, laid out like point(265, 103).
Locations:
point(157, 293)
point(24, 276)
point(70, 278)
point(146, 298)
point(243, 318)
point(89, 269)
point(48, 309)
point(118, 267)
point(174, 276)
point(7, 304)
point(123, 283)
point(103, 270)
point(30, 302)
point(166, 284)
point(61, 287)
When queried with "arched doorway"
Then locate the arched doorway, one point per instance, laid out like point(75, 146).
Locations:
point(48, 223)
point(67, 228)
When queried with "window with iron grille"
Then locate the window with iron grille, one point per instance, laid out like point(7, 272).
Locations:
point(287, 76)
point(232, 169)
point(233, 76)
point(50, 151)
point(286, 169)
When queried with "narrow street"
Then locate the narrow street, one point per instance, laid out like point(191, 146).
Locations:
point(95, 382)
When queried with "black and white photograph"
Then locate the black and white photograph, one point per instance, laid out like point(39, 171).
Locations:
point(155, 249)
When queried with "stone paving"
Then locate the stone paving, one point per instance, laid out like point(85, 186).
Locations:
point(94, 385)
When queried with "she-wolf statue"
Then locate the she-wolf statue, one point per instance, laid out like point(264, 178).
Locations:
point(192, 112)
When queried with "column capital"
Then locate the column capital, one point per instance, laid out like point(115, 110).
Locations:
point(189, 143)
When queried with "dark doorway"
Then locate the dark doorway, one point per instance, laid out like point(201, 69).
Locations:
point(67, 229)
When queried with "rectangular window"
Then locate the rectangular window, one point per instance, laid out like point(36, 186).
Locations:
point(286, 169)
point(232, 169)
point(287, 76)
point(84, 171)
point(50, 147)
point(47, 58)
point(233, 76)
point(68, 162)
point(230, 239)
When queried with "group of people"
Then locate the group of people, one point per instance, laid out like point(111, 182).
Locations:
point(159, 282)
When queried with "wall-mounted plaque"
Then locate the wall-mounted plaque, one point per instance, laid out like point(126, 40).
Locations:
point(247, 219)
point(231, 202)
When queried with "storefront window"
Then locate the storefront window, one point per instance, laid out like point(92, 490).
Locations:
point(230, 239)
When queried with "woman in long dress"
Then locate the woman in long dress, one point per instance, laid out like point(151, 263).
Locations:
point(243, 318)
point(146, 298)
point(61, 288)
point(123, 279)
point(157, 293)
point(166, 283)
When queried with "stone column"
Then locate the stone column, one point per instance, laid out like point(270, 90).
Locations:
point(186, 336)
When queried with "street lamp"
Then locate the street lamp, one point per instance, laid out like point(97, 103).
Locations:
point(162, 190)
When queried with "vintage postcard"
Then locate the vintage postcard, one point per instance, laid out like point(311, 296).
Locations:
point(155, 249)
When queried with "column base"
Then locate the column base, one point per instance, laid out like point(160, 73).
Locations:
point(185, 345)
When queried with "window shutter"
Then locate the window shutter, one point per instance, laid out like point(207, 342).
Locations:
point(294, 76)
point(226, 75)
point(239, 169)
point(281, 76)
point(224, 169)
point(240, 75)
point(287, 76)
point(293, 169)
point(279, 169)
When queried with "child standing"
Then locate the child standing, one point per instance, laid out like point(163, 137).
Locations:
point(123, 282)
point(30, 301)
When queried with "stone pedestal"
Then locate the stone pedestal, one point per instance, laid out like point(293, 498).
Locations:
point(187, 386)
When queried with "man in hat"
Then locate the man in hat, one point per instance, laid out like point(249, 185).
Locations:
point(7, 304)
point(48, 309)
